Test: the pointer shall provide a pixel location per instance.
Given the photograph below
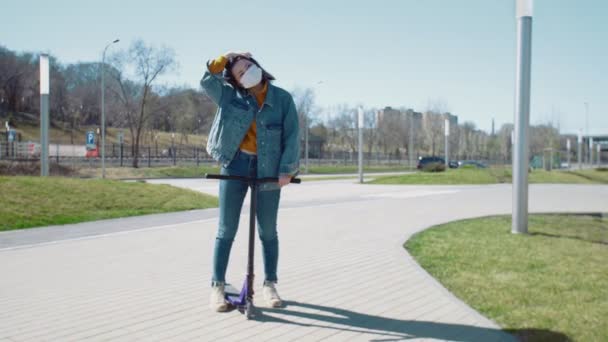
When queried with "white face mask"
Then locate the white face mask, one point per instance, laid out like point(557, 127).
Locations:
point(251, 77)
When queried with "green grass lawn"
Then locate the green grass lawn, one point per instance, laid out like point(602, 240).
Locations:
point(599, 175)
point(153, 172)
point(494, 176)
point(333, 169)
point(455, 176)
point(199, 171)
point(551, 281)
point(34, 201)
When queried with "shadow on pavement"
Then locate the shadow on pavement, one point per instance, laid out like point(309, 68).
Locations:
point(394, 329)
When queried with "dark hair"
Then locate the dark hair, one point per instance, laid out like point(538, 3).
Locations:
point(266, 76)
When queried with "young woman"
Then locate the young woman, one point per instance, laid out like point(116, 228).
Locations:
point(254, 134)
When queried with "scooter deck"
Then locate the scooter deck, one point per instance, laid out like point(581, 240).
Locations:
point(236, 297)
point(231, 290)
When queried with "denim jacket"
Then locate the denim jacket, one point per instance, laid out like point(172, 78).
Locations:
point(278, 142)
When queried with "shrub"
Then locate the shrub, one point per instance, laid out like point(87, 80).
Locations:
point(433, 167)
point(32, 168)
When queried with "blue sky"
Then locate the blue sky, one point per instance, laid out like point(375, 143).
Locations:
point(374, 53)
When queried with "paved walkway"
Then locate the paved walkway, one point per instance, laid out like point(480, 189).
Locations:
point(343, 271)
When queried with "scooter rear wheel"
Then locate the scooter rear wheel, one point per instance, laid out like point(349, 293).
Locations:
point(249, 310)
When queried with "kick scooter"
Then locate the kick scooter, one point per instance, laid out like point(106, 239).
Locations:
point(243, 301)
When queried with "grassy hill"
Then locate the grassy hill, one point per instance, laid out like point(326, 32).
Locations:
point(60, 132)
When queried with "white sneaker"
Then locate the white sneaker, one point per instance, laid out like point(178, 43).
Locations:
point(271, 296)
point(217, 301)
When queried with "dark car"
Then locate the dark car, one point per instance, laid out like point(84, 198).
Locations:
point(473, 163)
point(429, 160)
point(453, 164)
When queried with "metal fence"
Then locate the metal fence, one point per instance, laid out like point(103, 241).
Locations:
point(122, 155)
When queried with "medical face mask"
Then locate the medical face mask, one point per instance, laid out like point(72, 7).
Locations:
point(251, 77)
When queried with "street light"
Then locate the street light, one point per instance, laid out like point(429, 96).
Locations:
point(590, 151)
point(587, 120)
point(360, 124)
point(447, 143)
point(173, 148)
point(522, 117)
point(44, 115)
point(568, 151)
point(579, 153)
point(103, 113)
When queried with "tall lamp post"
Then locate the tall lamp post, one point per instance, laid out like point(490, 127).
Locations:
point(44, 115)
point(579, 153)
point(447, 143)
point(306, 143)
point(590, 150)
point(568, 151)
point(587, 122)
point(360, 123)
point(522, 117)
point(103, 112)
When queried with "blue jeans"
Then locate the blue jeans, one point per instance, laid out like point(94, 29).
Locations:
point(231, 196)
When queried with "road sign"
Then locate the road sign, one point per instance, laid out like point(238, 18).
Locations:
point(90, 138)
point(12, 135)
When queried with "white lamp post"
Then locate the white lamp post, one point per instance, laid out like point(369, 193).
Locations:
point(522, 117)
point(587, 123)
point(447, 143)
point(579, 153)
point(360, 112)
point(590, 151)
point(44, 115)
point(103, 113)
point(568, 150)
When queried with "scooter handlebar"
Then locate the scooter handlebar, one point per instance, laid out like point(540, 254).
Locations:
point(248, 179)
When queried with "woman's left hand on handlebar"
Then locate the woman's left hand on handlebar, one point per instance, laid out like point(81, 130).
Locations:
point(284, 180)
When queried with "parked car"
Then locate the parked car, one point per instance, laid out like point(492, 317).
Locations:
point(474, 163)
point(422, 161)
point(453, 164)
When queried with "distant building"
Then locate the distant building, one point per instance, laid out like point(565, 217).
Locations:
point(452, 118)
point(389, 112)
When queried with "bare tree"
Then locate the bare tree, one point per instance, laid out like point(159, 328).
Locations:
point(504, 138)
point(345, 127)
point(433, 130)
point(146, 63)
point(370, 129)
point(304, 100)
point(467, 140)
point(17, 79)
point(542, 137)
point(392, 129)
